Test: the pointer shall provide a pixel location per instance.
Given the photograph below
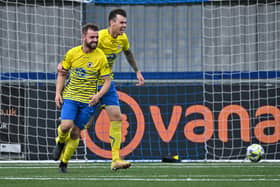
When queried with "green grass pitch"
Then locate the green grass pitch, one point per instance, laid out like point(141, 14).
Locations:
point(141, 175)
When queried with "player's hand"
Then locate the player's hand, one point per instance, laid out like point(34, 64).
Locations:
point(61, 70)
point(94, 99)
point(140, 78)
point(58, 100)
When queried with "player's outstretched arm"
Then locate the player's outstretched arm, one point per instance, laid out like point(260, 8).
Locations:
point(140, 78)
point(131, 60)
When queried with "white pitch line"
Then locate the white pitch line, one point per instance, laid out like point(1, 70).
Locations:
point(144, 179)
point(148, 166)
point(165, 176)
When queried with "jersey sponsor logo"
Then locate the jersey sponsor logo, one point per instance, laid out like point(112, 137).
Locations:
point(111, 58)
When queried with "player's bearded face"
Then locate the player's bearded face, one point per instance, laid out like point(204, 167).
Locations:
point(91, 44)
point(91, 39)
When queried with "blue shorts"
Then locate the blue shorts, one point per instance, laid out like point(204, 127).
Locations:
point(111, 96)
point(79, 112)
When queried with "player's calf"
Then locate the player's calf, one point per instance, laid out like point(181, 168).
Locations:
point(57, 150)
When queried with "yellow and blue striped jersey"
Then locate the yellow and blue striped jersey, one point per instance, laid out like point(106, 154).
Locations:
point(112, 47)
point(85, 70)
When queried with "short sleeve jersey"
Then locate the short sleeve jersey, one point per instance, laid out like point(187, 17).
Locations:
point(112, 47)
point(85, 70)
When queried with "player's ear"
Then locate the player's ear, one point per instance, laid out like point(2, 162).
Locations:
point(83, 36)
point(111, 22)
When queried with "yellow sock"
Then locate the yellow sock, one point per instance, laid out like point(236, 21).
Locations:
point(115, 138)
point(66, 140)
point(69, 149)
point(61, 135)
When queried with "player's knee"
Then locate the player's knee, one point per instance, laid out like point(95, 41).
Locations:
point(65, 128)
point(66, 125)
point(75, 133)
point(116, 117)
point(114, 113)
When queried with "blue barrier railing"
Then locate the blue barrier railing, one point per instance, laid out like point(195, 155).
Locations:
point(155, 75)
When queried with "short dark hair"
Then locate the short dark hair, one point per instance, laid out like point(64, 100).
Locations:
point(113, 14)
point(89, 26)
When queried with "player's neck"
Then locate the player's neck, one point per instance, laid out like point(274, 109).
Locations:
point(86, 49)
point(112, 33)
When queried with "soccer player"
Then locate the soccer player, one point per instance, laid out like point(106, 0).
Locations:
point(113, 40)
point(87, 64)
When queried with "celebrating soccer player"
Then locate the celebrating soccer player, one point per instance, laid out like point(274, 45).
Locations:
point(86, 65)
